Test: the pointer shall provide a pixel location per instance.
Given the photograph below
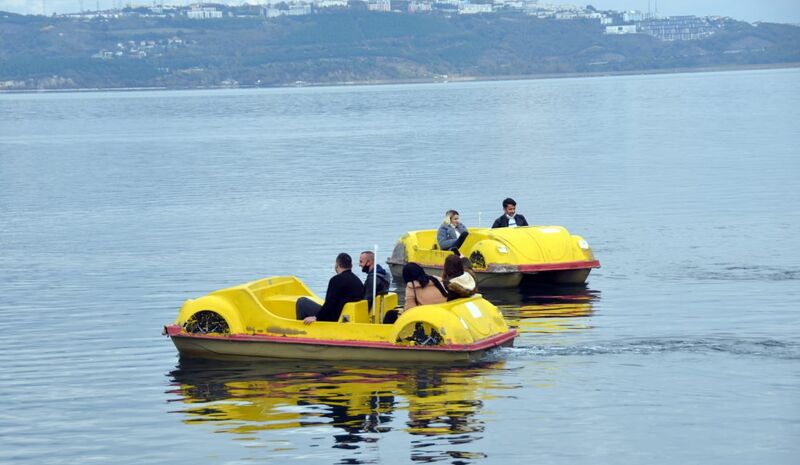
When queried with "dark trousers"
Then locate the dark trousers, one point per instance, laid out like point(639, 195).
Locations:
point(306, 307)
point(390, 317)
point(460, 241)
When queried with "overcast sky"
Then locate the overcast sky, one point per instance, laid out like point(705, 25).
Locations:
point(782, 11)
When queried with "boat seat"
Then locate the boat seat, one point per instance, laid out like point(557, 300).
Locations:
point(385, 301)
point(282, 305)
point(359, 312)
point(355, 312)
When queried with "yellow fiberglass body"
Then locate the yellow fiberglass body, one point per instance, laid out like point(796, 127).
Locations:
point(256, 320)
point(501, 257)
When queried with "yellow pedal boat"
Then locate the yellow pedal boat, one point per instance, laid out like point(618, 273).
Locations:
point(256, 320)
point(501, 257)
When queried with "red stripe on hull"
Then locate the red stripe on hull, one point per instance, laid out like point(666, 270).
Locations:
point(559, 266)
point(176, 331)
point(530, 268)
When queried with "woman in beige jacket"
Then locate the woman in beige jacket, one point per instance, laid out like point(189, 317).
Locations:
point(458, 278)
point(422, 289)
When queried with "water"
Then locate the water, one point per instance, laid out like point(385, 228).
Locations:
point(683, 348)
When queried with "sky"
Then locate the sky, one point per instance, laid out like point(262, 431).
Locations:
point(780, 11)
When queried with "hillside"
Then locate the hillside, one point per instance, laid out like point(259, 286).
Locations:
point(351, 46)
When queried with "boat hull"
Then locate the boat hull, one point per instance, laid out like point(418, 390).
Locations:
point(504, 279)
point(261, 347)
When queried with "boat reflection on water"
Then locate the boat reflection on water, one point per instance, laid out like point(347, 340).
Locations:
point(538, 308)
point(542, 308)
point(358, 404)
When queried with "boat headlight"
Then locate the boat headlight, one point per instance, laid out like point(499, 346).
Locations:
point(502, 249)
point(583, 244)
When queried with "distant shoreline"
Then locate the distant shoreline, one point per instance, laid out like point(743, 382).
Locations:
point(529, 77)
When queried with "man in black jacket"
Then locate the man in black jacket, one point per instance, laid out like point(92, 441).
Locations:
point(343, 288)
point(510, 218)
point(367, 263)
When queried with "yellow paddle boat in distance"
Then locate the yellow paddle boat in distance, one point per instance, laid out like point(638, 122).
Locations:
point(256, 320)
point(501, 257)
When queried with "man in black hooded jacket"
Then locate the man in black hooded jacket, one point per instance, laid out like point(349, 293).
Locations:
point(367, 263)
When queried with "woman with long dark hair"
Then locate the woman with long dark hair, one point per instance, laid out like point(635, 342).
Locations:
point(458, 280)
point(421, 289)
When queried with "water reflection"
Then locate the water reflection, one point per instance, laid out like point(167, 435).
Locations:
point(543, 308)
point(346, 408)
point(538, 308)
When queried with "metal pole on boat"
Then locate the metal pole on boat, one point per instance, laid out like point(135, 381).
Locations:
point(479, 218)
point(374, 281)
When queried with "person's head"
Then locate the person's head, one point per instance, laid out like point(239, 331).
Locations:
point(453, 217)
point(343, 262)
point(413, 272)
point(453, 267)
point(366, 261)
point(509, 206)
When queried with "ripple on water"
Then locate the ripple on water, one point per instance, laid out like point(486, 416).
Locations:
point(769, 348)
point(738, 272)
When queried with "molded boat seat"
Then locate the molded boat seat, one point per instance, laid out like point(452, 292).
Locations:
point(282, 305)
point(355, 312)
point(385, 301)
point(359, 312)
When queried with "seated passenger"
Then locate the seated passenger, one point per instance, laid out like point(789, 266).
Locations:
point(343, 288)
point(421, 289)
point(458, 281)
point(510, 218)
point(367, 263)
point(452, 232)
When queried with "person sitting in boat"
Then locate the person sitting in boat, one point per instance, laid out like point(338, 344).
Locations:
point(367, 263)
point(459, 281)
point(510, 218)
point(343, 288)
point(452, 232)
point(421, 289)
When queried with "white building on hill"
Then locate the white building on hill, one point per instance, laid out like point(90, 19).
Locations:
point(203, 12)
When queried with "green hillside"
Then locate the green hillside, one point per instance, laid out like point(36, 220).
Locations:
point(351, 46)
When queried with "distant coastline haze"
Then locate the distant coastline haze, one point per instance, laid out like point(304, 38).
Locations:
point(180, 47)
point(779, 11)
point(776, 11)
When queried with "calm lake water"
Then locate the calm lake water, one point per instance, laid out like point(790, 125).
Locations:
point(684, 347)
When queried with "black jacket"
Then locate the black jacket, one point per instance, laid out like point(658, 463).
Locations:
point(502, 222)
point(343, 288)
point(383, 283)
